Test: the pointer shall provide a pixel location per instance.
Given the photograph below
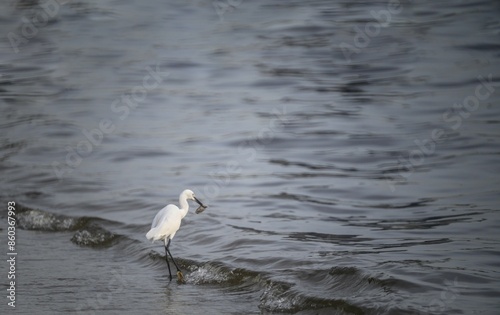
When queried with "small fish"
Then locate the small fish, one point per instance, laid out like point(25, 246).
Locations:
point(200, 209)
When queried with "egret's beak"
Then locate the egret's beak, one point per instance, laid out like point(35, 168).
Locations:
point(199, 202)
point(201, 208)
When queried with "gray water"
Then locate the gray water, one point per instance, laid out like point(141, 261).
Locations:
point(348, 152)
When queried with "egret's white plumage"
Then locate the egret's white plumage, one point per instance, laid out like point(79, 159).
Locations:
point(168, 221)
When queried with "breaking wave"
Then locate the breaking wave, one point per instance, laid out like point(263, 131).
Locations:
point(38, 220)
point(278, 296)
point(94, 236)
point(88, 231)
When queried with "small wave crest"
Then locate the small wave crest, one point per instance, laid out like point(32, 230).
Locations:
point(87, 231)
point(217, 273)
point(341, 295)
point(38, 220)
point(274, 296)
point(281, 297)
point(94, 236)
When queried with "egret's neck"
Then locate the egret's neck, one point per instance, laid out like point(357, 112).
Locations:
point(184, 206)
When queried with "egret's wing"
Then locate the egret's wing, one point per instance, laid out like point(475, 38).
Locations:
point(165, 223)
point(162, 215)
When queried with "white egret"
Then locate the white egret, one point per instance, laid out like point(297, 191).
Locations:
point(168, 221)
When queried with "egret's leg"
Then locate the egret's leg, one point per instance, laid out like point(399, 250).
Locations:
point(168, 265)
point(179, 273)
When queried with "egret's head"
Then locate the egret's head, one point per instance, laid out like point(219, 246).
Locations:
point(190, 196)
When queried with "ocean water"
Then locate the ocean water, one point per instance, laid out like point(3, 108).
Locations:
point(348, 152)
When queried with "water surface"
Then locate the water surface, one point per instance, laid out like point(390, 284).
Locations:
point(348, 152)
